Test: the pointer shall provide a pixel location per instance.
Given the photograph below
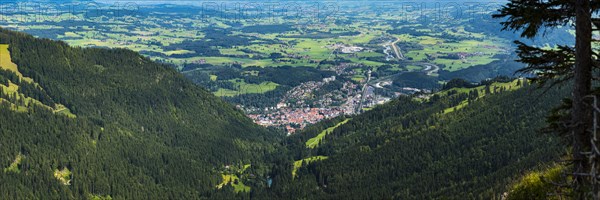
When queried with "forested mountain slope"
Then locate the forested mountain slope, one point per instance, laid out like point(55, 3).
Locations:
point(84, 122)
point(462, 143)
point(81, 123)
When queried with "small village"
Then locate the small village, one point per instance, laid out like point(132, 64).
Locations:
point(300, 107)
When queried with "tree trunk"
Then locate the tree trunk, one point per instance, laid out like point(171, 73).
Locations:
point(581, 112)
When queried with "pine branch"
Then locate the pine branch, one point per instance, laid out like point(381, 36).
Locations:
point(549, 65)
point(596, 23)
point(531, 15)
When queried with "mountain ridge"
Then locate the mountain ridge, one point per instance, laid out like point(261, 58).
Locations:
point(408, 149)
point(137, 121)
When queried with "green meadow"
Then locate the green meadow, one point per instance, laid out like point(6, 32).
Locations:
point(315, 141)
point(298, 163)
point(246, 88)
point(513, 85)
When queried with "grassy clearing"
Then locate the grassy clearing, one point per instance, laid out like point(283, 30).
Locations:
point(257, 88)
point(5, 60)
point(481, 52)
point(314, 142)
point(367, 109)
point(358, 78)
point(245, 62)
point(461, 105)
point(246, 88)
point(14, 166)
point(366, 62)
point(481, 91)
point(231, 52)
point(13, 89)
point(235, 181)
point(246, 166)
point(414, 68)
point(538, 184)
point(71, 34)
point(7, 64)
point(315, 48)
point(298, 163)
point(361, 39)
point(226, 93)
point(99, 197)
point(169, 53)
point(426, 40)
point(64, 176)
point(364, 54)
point(63, 110)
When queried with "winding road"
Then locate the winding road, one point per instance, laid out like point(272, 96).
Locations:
point(430, 69)
point(397, 50)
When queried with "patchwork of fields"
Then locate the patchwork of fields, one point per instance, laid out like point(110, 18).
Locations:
point(277, 66)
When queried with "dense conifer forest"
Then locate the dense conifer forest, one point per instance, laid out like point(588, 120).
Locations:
point(409, 149)
point(138, 129)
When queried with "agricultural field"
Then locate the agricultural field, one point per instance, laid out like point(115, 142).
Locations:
point(246, 88)
point(359, 45)
point(253, 42)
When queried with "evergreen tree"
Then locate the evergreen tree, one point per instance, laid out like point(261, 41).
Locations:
point(565, 63)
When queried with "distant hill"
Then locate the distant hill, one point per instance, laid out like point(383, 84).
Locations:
point(461, 143)
point(81, 123)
